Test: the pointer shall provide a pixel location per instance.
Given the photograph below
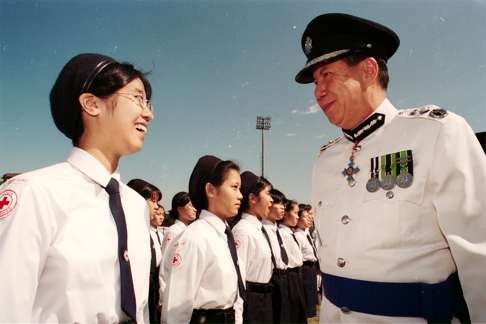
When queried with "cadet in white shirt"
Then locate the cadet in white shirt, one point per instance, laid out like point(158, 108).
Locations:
point(309, 255)
point(280, 289)
point(73, 238)
point(399, 201)
point(253, 247)
point(204, 280)
point(294, 266)
point(184, 213)
point(152, 195)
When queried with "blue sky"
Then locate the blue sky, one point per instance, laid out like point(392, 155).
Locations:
point(215, 66)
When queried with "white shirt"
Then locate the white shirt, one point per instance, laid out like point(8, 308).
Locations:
point(58, 246)
point(305, 245)
point(416, 234)
point(293, 249)
point(157, 246)
point(272, 229)
point(171, 236)
point(253, 250)
point(202, 275)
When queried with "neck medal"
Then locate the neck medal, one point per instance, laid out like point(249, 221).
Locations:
point(351, 169)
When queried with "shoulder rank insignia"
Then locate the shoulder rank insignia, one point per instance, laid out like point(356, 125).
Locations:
point(424, 111)
point(331, 143)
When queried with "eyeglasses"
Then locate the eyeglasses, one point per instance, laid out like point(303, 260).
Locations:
point(139, 100)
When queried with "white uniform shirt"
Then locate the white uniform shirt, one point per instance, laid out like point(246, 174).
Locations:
point(272, 234)
point(293, 249)
point(305, 245)
point(171, 236)
point(58, 246)
point(157, 246)
point(415, 234)
point(202, 275)
point(253, 250)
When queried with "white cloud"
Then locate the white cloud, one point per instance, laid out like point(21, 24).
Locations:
point(312, 109)
point(290, 134)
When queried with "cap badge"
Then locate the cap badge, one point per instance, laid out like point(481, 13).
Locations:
point(308, 45)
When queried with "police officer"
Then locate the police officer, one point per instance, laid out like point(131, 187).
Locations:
point(399, 198)
point(253, 246)
point(73, 238)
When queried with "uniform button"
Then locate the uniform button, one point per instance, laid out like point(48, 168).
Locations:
point(390, 194)
point(345, 309)
point(345, 219)
point(319, 204)
point(341, 262)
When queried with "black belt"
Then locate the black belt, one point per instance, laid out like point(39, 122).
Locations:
point(308, 263)
point(213, 315)
point(262, 288)
point(296, 269)
point(434, 302)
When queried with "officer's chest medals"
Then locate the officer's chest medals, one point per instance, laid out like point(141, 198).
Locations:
point(356, 135)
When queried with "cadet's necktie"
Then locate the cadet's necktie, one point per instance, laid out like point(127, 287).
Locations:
point(158, 237)
point(312, 244)
point(128, 303)
point(270, 246)
point(234, 256)
point(295, 239)
point(283, 253)
point(152, 256)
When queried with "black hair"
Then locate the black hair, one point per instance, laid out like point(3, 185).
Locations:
point(111, 79)
point(289, 204)
point(145, 189)
point(383, 76)
point(180, 199)
point(255, 189)
point(277, 196)
point(216, 178)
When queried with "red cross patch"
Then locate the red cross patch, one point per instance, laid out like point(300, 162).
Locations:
point(237, 243)
point(8, 201)
point(176, 260)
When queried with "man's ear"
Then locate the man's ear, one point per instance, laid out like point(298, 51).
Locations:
point(90, 104)
point(369, 68)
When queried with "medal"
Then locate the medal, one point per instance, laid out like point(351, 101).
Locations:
point(351, 169)
point(373, 183)
point(405, 178)
point(387, 179)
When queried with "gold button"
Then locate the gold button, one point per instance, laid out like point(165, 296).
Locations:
point(341, 262)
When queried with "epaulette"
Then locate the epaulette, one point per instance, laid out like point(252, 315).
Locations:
point(431, 111)
point(331, 143)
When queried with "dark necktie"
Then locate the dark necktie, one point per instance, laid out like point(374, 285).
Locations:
point(295, 239)
point(270, 246)
point(128, 303)
point(283, 253)
point(158, 237)
point(234, 256)
point(153, 256)
point(312, 244)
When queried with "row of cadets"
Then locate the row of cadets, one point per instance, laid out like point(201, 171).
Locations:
point(204, 281)
point(294, 267)
point(253, 246)
point(280, 285)
point(183, 213)
point(309, 254)
point(152, 195)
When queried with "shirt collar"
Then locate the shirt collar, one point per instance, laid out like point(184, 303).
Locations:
point(213, 220)
point(179, 223)
point(382, 116)
point(252, 219)
point(91, 167)
point(269, 224)
point(285, 228)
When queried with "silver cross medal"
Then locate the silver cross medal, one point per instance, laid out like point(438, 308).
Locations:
point(350, 171)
